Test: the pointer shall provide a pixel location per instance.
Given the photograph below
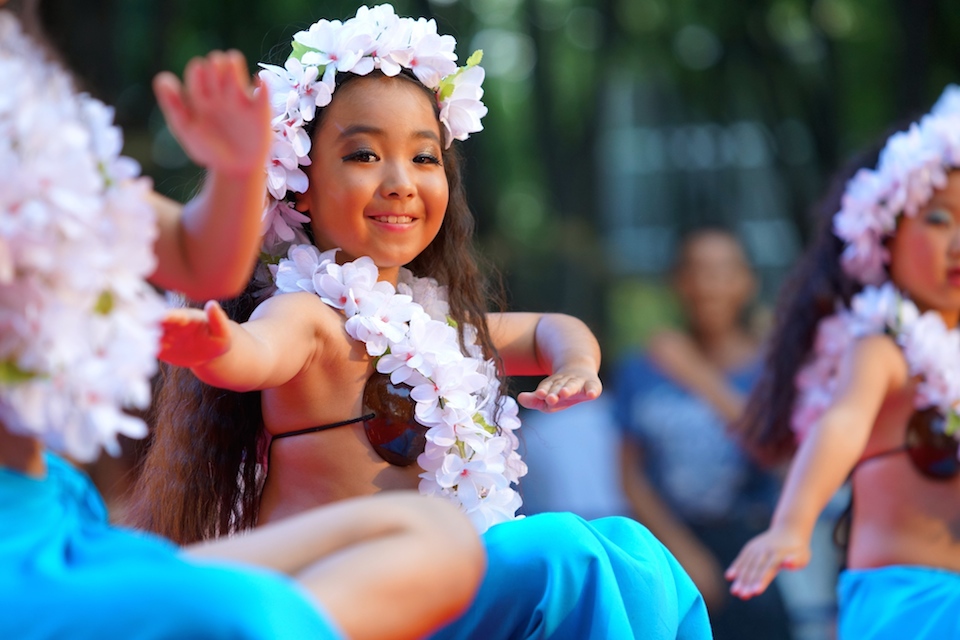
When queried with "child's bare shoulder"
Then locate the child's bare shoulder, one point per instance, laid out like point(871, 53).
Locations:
point(880, 351)
point(301, 309)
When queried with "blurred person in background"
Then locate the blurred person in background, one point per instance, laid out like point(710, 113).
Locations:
point(684, 476)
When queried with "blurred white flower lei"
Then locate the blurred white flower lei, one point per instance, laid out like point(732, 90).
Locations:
point(470, 455)
point(79, 326)
point(911, 166)
point(932, 352)
point(376, 38)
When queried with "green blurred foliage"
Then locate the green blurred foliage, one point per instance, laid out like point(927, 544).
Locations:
point(844, 68)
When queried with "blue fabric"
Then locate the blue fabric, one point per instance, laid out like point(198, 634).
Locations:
point(557, 576)
point(66, 573)
point(897, 602)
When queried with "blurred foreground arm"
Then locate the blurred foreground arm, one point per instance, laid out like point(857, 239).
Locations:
point(207, 248)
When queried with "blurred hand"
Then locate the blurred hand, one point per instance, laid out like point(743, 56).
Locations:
point(192, 337)
point(760, 559)
point(564, 388)
point(216, 114)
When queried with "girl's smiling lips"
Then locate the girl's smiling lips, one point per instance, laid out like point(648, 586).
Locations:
point(953, 276)
point(391, 218)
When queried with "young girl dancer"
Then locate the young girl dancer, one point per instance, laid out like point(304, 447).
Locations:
point(80, 330)
point(377, 364)
point(873, 393)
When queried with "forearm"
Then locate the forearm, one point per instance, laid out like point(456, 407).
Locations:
point(821, 466)
point(208, 248)
point(248, 364)
point(564, 342)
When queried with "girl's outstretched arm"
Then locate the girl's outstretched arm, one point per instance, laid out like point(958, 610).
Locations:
point(267, 351)
point(553, 344)
point(824, 460)
point(397, 565)
point(207, 248)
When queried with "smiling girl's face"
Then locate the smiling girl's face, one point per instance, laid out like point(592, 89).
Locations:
point(377, 182)
point(925, 253)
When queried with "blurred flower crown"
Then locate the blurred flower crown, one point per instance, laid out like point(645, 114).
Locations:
point(912, 164)
point(376, 38)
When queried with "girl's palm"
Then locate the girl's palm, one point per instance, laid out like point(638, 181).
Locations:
point(563, 389)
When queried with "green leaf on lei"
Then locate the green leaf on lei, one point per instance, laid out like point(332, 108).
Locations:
point(104, 303)
point(10, 373)
point(489, 428)
point(953, 423)
point(267, 258)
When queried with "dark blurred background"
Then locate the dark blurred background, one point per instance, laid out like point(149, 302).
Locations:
point(614, 125)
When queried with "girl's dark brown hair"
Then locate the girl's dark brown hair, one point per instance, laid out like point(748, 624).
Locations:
point(809, 294)
point(201, 477)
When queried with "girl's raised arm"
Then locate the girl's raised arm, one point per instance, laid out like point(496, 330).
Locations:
point(824, 460)
point(553, 344)
point(278, 341)
point(207, 248)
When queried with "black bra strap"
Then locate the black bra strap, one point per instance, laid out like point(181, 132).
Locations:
point(881, 454)
point(324, 427)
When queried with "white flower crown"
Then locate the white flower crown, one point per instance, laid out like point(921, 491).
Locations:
point(80, 325)
point(374, 39)
point(912, 165)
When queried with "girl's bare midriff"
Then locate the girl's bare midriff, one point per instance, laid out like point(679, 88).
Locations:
point(900, 516)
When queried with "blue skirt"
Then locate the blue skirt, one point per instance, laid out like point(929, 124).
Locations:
point(66, 573)
point(898, 602)
point(558, 576)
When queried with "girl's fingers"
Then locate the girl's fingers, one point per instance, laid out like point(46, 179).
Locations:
point(216, 319)
point(168, 91)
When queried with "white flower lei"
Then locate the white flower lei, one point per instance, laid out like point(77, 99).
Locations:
point(911, 166)
point(376, 38)
point(932, 352)
point(79, 326)
point(470, 455)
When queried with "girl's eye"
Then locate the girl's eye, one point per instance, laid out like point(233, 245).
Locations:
point(362, 155)
point(938, 217)
point(426, 158)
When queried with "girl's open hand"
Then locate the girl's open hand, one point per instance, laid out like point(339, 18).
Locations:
point(192, 337)
point(215, 114)
point(760, 560)
point(564, 388)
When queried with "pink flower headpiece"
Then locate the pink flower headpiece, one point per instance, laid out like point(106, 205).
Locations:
point(912, 165)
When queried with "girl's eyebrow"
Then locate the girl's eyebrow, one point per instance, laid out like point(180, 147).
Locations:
point(359, 129)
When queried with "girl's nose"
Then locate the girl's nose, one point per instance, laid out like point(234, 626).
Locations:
point(954, 247)
point(397, 182)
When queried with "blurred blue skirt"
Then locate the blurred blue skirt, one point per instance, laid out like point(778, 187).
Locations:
point(899, 602)
point(557, 576)
point(66, 573)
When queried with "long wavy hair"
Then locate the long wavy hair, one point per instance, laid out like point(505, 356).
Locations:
point(809, 294)
point(201, 477)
